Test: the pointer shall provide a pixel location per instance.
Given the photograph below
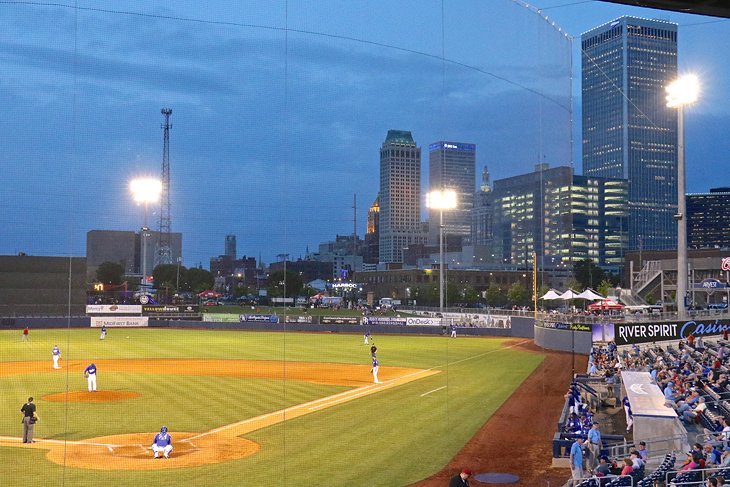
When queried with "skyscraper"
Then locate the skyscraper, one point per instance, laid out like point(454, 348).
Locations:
point(400, 195)
point(452, 165)
point(230, 248)
point(628, 132)
point(707, 225)
point(561, 217)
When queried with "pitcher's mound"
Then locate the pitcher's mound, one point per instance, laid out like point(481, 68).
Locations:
point(84, 396)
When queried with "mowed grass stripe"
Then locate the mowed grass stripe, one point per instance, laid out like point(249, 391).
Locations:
point(390, 438)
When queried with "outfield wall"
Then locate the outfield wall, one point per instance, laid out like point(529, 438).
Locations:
point(563, 340)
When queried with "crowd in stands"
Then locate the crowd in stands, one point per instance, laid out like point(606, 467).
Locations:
point(694, 377)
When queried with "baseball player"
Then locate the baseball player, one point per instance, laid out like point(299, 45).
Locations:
point(56, 356)
point(162, 443)
point(90, 374)
point(366, 337)
point(373, 351)
point(374, 370)
point(103, 332)
point(453, 330)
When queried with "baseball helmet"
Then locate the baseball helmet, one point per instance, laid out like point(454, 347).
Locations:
point(163, 429)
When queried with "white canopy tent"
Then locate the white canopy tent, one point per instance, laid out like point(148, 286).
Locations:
point(550, 295)
point(590, 295)
point(569, 294)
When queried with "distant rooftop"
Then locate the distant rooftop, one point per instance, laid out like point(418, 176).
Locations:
point(400, 137)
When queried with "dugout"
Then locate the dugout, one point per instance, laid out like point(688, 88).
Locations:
point(653, 419)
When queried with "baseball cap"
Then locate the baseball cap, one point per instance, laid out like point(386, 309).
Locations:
point(466, 471)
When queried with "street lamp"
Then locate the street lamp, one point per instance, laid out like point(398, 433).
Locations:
point(684, 91)
point(441, 200)
point(145, 191)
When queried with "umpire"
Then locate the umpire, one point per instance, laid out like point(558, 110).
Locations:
point(29, 419)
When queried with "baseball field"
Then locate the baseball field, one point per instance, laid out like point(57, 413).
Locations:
point(247, 408)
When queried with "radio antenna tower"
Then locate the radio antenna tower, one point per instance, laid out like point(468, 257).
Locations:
point(164, 253)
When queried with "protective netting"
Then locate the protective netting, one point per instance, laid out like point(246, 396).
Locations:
point(278, 115)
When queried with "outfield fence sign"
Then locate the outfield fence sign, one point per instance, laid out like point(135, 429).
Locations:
point(421, 320)
point(383, 320)
point(260, 318)
point(157, 309)
point(339, 320)
point(119, 321)
point(298, 319)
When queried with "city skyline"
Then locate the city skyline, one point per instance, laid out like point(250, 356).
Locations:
point(271, 148)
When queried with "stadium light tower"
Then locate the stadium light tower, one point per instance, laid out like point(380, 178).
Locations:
point(145, 191)
point(444, 199)
point(680, 93)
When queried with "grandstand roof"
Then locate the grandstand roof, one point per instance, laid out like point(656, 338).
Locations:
point(715, 8)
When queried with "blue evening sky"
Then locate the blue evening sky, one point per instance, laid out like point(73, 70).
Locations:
point(279, 108)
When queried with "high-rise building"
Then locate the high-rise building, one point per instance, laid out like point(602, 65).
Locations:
point(628, 131)
point(482, 215)
point(707, 219)
point(370, 252)
point(560, 217)
point(452, 166)
point(400, 195)
point(230, 249)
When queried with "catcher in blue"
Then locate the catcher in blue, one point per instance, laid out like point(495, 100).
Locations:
point(162, 443)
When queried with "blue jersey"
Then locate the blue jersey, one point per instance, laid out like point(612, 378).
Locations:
point(162, 440)
point(91, 369)
point(103, 328)
point(577, 453)
point(56, 350)
point(375, 362)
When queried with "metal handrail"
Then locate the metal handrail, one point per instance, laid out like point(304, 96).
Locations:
point(691, 482)
point(649, 442)
point(576, 482)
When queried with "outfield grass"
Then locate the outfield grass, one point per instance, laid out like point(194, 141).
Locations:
point(391, 438)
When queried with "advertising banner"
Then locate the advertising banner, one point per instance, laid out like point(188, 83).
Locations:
point(383, 320)
point(117, 309)
point(629, 333)
point(119, 321)
point(339, 320)
point(423, 321)
point(221, 317)
point(154, 309)
point(260, 318)
point(565, 326)
point(299, 319)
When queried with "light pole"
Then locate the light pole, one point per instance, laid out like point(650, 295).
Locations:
point(441, 200)
point(684, 91)
point(145, 191)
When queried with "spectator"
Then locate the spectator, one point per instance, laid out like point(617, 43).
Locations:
point(576, 460)
point(603, 469)
point(643, 452)
point(725, 457)
point(636, 462)
point(712, 455)
point(627, 469)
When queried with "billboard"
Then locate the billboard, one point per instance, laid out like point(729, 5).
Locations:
point(628, 333)
point(154, 309)
point(117, 309)
point(119, 321)
point(423, 321)
point(383, 320)
point(330, 320)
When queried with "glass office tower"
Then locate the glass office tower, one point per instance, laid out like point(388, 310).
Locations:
point(452, 165)
point(628, 132)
